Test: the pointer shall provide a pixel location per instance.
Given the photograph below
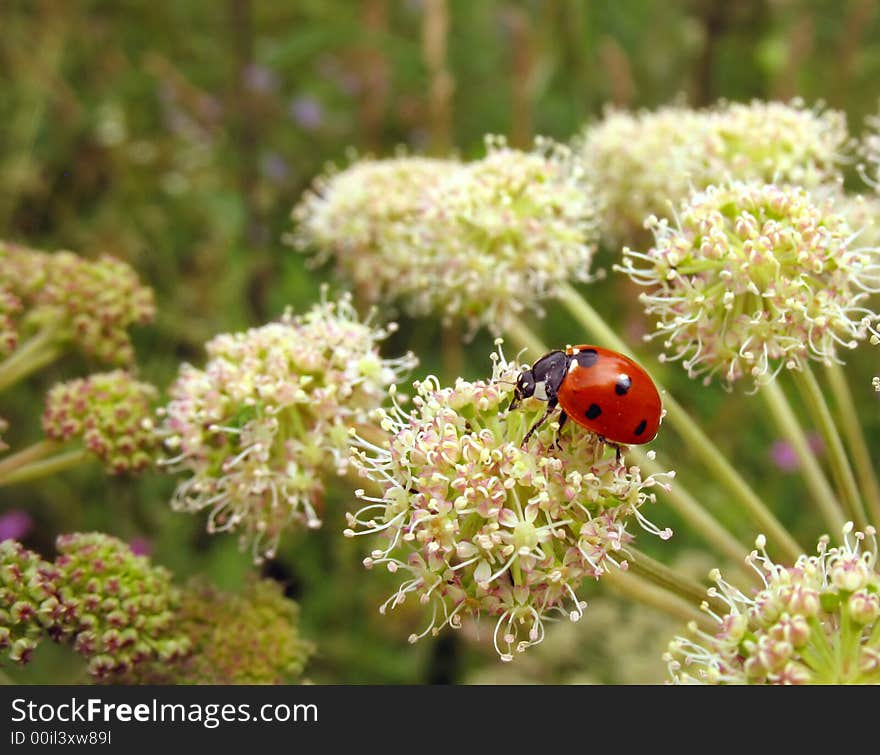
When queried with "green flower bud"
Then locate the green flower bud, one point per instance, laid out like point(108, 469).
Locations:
point(111, 413)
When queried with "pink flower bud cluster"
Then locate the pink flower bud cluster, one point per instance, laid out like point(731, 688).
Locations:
point(91, 303)
point(111, 413)
point(120, 610)
point(112, 606)
point(268, 417)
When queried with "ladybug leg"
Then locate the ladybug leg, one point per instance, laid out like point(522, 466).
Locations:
point(551, 406)
point(563, 418)
point(618, 451)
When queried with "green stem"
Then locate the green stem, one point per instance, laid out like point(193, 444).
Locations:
point(855, 438)
point(33, 354)
point(844, 478)
point(642, 591)
point(453, 356)
point(46, 467)
point(678, 497)
point(525, 337)
point(698, 442)
point(27, 455)
point(690, 509)
point(818, 485)
point(669, 579)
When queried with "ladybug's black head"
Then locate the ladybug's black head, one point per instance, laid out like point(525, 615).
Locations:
point(525, 385)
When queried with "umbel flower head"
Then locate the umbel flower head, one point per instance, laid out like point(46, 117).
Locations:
point(268, 417)
point(111, 412)
point(120, 610)
point(474, 242)
point(643, 163)
point(28, 600)
point(751, 278)
point(252, 638)
point(813, 623)
point(503, 233)
point(480, 525)
point(366, 218)
point(89, 302)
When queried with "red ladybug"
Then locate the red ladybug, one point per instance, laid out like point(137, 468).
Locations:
point(602, 390)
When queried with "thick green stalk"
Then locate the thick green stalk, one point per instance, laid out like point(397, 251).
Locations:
point(815, 478)
point(699, 444)
point(642, 591)
point(32, 453)
point(33, 354)
point(525, 337)
point(678, 497)
point(848, 421)
point(844, 478)
point(669, 579)
point(45, 467)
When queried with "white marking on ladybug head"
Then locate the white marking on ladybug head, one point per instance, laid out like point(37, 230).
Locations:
point(573, 365)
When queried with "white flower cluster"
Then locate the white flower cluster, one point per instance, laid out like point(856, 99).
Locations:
point(474, 242)
point(752, 278)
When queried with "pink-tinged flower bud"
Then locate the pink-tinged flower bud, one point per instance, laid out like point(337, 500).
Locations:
point(490, 527)
point(269, 418)
point(793, 623)
point(795, 630)
point(111, 412)
point(800, 599)
point(864, 607)
point(850, 573)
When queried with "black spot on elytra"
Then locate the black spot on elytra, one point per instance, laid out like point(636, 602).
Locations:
point(594, 411)
point(587, 357)
point(640, 428)
point(623, 384)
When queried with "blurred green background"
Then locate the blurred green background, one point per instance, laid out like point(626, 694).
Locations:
point(178, 136)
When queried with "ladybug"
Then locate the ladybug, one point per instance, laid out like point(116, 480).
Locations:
point(602, 390)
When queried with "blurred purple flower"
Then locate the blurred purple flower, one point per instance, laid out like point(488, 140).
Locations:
point(140, 545)
point(306, 112)
point(259, 79)
point(783, 455)
point(274, 167)
point(15, 524)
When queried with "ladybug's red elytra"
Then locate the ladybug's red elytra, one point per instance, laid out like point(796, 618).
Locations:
point(602, 390)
